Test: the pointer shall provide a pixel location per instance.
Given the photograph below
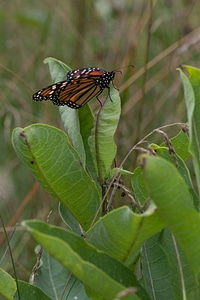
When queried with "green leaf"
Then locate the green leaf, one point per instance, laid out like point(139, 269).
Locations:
point(138, 185)
point(182, 281)
point(52, 277)
point(29, 291)
point(180, 143)
point(165, 269)
point(170, 193)
point(86, 119)
point(58, 69)
point(101, 141)
point(140, 192)
point(104, 275)
point(71, 123)
point(183, 170)
point(192, 96)
point(7, 285)
point(132, 231)
point(156, 271)
point(57, 166)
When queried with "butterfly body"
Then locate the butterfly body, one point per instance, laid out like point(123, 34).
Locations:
point(80, 87)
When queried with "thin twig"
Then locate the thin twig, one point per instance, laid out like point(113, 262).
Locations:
point(36, 266)
point(180, 266)
point(130, 196)
point(169, 145)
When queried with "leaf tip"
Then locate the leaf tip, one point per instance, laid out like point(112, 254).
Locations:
point(47, 60)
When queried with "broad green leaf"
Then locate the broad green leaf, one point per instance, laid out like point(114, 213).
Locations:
point(183, 170)
point(101, 140)
point(165, 269)
point(180, 143)
point(29, 291)
point(121, 233)
point(101, 273)
point(57, 166)
point(140, 192)
point(192, 99)
point(138, 185)
point(182, 281)
point(171, 195)
point(56, 281)
point(7, 285)
point(69, 116)
point(86, 119)
point(156, 271)
point(71, 123)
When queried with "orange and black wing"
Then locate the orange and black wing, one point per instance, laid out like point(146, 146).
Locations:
point(73, 93)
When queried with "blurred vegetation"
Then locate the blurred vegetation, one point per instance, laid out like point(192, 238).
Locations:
point(155, 36)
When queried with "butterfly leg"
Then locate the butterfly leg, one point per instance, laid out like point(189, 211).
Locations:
point(115, 86)
point(109, 93)
point(99, 101)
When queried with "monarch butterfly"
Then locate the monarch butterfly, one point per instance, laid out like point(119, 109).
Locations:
point(80, 87)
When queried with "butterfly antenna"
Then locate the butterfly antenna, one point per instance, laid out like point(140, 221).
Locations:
point(118, 70)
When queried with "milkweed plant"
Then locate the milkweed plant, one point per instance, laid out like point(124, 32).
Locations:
point(138, 240)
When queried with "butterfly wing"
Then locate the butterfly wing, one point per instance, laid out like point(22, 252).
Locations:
point(79, 92)
point(73, 93)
